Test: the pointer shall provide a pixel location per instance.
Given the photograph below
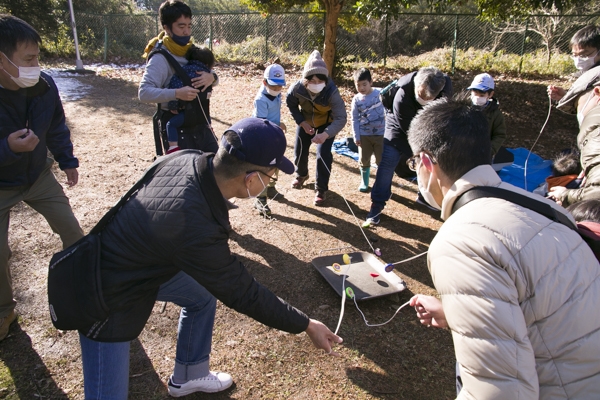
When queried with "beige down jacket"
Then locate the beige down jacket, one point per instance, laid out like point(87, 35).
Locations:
point(521, 295)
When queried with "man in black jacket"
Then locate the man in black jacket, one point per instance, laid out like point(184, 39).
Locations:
point(169, 242)
point(32, 122)
point(415, 90)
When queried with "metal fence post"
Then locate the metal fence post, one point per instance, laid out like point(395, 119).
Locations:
point(454, 44)
point(210, 33)
point(385, 41)
point(523, 44)
point(267, 38)
point(105, 37)
point(156, 19)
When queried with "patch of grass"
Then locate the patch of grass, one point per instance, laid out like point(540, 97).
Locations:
point(531, 64)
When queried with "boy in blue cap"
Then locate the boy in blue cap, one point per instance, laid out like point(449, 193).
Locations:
point(267, 105)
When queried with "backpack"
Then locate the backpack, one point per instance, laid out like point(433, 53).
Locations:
point(387, 95)
point(527, 202)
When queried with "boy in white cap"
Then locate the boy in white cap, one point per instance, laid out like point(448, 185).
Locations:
point(318, 109)
point(482, 95)
point(267, 105)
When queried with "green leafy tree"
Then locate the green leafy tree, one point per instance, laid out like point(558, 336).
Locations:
point(503, 10)
point(332, 8)
point(38, 13)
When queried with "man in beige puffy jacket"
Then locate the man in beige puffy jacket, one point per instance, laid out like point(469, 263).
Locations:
point(584, 99)
point(519, 292)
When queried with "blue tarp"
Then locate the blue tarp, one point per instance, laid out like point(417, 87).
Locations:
point(538, 169)
point(341, 146)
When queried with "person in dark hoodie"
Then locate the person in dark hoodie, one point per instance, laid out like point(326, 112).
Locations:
point(169, 242)
point(32, 122)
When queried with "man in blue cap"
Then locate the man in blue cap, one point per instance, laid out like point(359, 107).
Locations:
point(169, 242)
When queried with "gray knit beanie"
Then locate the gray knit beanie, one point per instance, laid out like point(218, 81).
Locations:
point(315, 65)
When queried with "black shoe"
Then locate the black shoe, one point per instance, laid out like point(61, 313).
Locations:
point(319, 197)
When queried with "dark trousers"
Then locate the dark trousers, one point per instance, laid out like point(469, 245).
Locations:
point(324, 156)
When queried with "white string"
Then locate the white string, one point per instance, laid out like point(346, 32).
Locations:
point(343, 197)
point(365, 319)
point(343, 304)
point(207, 119)
point(356, 304)
point(409, 259)
point(536, 139)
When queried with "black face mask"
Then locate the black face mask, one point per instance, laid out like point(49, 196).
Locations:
point(180, 40)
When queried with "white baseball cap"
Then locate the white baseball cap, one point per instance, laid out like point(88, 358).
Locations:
point(275, 75)
point(483, 82)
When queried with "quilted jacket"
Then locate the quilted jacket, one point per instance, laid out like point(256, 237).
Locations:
point(521, 296)
point(38, 108)
point(178, 221)
point(588, 142)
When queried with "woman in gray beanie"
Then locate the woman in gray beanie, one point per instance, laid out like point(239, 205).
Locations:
point(320, 113)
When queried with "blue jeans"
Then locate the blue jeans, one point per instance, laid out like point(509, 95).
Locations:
point(106, 365)
point(382, 188)
point(324, 156)
point(173, 126)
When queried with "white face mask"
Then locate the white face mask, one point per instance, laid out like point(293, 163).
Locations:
point(315, 87)
point(479, 100)
point(261, 181)
point(422, 101)
point(28, 76)
point(580, 115)
point(427, 194)
point(272, 92)
point(584, 63)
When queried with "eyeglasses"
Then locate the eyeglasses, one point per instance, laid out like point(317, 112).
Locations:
point(412, 162)
point(585, 58)
point(271, 178)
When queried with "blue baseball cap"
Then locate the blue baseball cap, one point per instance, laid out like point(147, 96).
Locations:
point(483, 82)
point(275, 75)
point(263, 144)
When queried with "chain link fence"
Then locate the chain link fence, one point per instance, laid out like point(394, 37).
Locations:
point(252, 37)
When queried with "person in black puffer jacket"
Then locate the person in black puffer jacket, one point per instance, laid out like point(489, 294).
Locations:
point(169, 242)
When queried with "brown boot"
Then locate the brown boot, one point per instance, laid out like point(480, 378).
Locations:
point(5, 324)
point(299, 181)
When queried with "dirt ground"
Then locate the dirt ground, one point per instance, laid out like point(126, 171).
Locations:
point(112, 135)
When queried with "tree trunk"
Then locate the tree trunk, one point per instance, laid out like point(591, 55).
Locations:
point(333, 9)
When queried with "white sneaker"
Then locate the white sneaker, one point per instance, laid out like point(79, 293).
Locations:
point(211, 383)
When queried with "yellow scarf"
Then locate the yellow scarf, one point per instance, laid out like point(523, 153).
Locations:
point(169, 43)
